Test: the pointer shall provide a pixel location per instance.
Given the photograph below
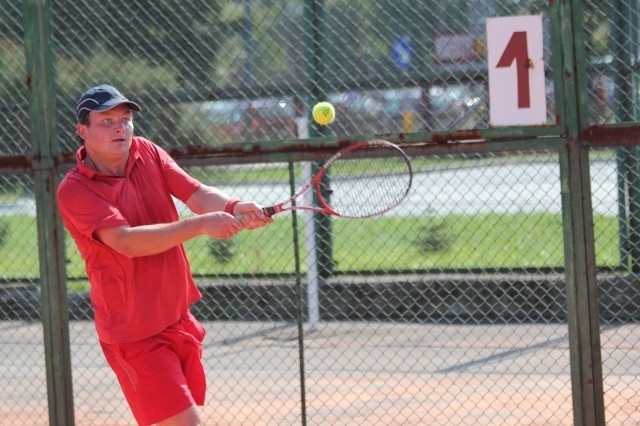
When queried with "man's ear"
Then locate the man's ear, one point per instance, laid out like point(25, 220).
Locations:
point(81, 130)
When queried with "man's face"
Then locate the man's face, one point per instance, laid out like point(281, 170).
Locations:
point(108, 133)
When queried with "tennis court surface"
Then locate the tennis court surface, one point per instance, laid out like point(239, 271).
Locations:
point(355, 373)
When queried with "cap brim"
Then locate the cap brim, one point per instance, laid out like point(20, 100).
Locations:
point(109, 105)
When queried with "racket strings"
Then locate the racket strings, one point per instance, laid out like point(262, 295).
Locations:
point(368, 182)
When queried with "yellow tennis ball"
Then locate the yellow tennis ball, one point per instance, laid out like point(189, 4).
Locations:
point(324, 113)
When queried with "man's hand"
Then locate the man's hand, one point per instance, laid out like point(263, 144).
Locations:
point(220, 225)
point(251, 215)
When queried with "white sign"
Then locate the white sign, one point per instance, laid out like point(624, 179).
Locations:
point(455, 47)
point(516, 71)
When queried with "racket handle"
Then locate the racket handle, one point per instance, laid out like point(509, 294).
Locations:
point(269, 211)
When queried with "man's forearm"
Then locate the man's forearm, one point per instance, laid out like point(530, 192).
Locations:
point(147, 240)
point(207, 199)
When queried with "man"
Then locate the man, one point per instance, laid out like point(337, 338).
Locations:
point(117, 205)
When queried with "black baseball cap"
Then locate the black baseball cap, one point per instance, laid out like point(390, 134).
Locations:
point(101, 98)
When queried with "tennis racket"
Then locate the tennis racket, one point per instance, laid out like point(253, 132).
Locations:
point(365, 179)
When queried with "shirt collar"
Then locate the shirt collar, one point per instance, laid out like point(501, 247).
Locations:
point(87, 171)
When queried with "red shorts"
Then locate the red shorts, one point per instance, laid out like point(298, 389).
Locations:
point(162, 375)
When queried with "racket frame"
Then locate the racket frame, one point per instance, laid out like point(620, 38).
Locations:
point(316, 182)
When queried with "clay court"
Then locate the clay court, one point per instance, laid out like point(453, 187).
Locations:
point(356, 374)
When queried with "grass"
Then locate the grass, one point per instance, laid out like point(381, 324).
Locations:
point(383, 243)
point(386, 243)
point(19, 253)
point(6, 197)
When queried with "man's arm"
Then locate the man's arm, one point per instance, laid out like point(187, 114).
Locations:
point(209, 199)
point(152, 239)
point(208, 203)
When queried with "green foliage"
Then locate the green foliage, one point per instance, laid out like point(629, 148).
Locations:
point(205, 43)
point(519, 7)
point(433, 237)
point(105, 66)
point(221, 250)
point(12, 63)
point(179, 35)
point(598, 29)
point(4, 232)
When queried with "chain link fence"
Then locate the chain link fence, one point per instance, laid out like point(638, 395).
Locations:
point(452, 309)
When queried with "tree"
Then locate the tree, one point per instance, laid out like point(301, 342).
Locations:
point(183, 35)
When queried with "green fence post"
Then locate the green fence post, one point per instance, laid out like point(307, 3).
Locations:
point(314, 52)
point(577, 217)
point(42, 108)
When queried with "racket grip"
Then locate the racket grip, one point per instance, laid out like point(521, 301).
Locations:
point(269, 211)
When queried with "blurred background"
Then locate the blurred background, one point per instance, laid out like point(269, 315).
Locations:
point(503, 291)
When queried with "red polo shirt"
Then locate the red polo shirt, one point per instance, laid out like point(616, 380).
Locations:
point(133, 298)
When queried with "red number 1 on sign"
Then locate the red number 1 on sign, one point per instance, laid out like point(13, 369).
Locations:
point(517, 51)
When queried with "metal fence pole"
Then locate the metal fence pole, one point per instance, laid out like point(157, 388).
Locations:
point(314, 53)
point(581, 288)
point(40, 82)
